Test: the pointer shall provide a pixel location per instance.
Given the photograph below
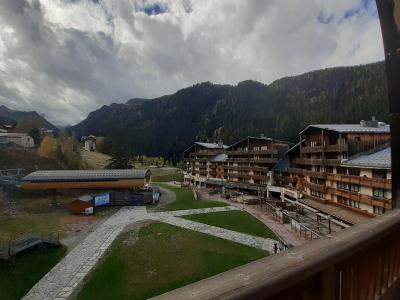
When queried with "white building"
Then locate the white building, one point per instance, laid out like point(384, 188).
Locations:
point(20, 139)
point(89, 143)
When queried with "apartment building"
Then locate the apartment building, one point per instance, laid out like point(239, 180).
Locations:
point(324, 165)
point(363, 182)
point(246, 165)
point(202, 161)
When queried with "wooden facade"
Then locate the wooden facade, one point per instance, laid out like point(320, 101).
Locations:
point(317, 166)
point(68, 185)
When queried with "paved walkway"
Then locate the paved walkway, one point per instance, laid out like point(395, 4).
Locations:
point(69, 273)
point(284, 233)
point(245, 239)
point(61, 281)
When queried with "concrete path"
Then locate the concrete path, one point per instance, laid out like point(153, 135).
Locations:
point(61, 281)
point(69, 273)
point(242, 238)
point(284, 233)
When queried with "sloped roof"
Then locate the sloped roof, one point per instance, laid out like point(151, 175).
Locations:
point(282, 165)
point(85, 175)
point(85, 198)
point(376, 158)
point(259, 138)
point(207, 145)
point(211, 145)
point(350, 128)
point(219, 158)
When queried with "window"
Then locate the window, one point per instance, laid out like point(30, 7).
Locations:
point(380, 193)
point(379, 210)
point(318, 194)
point(341, 170)
point(348, 186)
point(379, 174)
point(354, 171)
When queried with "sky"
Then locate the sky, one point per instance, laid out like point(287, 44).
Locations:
point(66, 58)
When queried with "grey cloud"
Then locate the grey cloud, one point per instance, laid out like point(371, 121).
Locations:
point(66, 58)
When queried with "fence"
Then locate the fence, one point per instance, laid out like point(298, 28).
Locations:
point(20, 242)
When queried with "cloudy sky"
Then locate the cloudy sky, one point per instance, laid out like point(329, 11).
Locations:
point(65, 58)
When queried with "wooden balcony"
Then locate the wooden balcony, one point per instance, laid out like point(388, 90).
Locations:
point(253, 160)
point(251, 152)
point(326, 148)
point(297, 171)
point(366, 199)
point(314, 186)
point(317, 161)
point(364, 181)
point(246, 168)
point(361, 262)
point(285, 179)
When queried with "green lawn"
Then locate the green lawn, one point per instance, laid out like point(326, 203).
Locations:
point(185, 199)
point(165, 175)
point(163, 258)
point(239, 221)
point(18, 278)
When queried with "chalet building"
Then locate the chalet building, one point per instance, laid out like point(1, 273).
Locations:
point(346, 165)
point(250, 161)
point(245, 165)
point(18, 139)
point(363, 182)
point(323, 165)
point(202, 161)
point(89, 142)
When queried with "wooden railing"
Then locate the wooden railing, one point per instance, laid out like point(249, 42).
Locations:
point(355, 196)
point(317, 161)
point(365, 181)
point(314, 186)
point(242, 152)
point(358, 263)
point(326, 148)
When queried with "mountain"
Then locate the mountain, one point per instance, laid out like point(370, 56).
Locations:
point(165, 126)
point(23, 121)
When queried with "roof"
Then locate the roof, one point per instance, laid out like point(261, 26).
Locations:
point(351, 128)
point(207, 145)
point(211, 145)
point(85, 175)
point(12, 134)
point(85, 198)
point(282, 165)
point(293, 148)
point(259, 138)
point(219, 158)
point(378, 157)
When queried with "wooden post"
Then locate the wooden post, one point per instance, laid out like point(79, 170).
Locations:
point(389, 16)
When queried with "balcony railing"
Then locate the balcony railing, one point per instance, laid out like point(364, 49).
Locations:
point(246, 168)
point(326, 148)
point(361, 262)
point(317, 161)
point(243, 152)
point(365, 181)
point(253, 160)
point(314, 186)
point(355, 196)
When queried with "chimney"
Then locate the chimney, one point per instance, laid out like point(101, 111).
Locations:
point(220, 143)
point(262, 135)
